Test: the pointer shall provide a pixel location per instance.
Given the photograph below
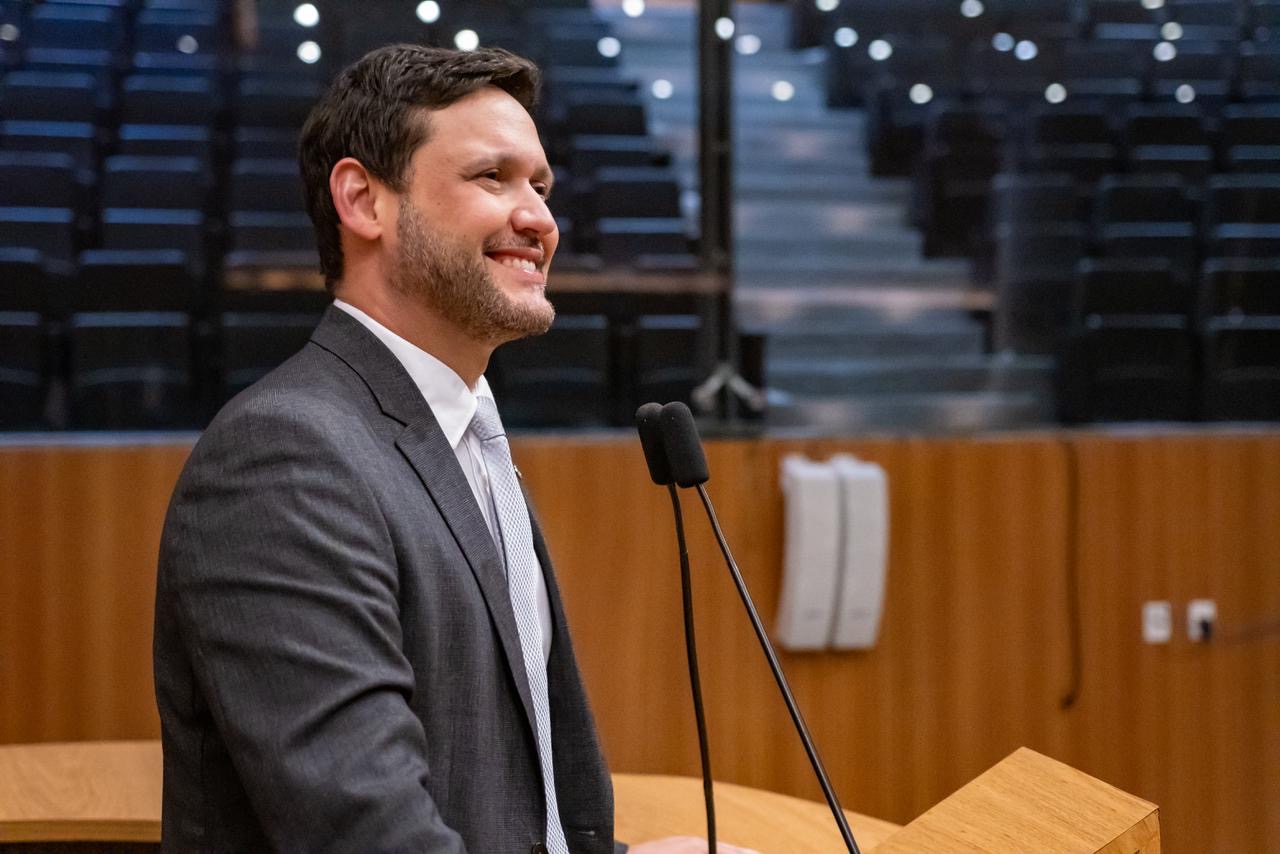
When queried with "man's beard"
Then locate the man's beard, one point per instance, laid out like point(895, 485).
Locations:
point(457, 286)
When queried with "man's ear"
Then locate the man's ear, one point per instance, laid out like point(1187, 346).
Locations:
point(355, 196)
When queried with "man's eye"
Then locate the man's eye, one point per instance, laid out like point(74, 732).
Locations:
point(492, 175)
point(542, 190)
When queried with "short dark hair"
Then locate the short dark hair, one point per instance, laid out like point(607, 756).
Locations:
point(374, 111)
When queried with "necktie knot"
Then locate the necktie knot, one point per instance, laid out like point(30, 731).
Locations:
point(486, 423)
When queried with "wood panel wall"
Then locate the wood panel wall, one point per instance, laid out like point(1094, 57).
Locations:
point(989, 538)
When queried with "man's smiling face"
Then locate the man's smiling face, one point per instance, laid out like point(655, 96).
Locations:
point(474, 236)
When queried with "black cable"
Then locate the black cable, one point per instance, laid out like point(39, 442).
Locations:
point(796, 718)
point(695, 683)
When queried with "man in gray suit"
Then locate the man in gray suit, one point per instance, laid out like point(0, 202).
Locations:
point(359, 641)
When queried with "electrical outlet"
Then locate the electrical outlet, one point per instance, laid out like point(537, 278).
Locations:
point(1157, 621)
point(1202, 618)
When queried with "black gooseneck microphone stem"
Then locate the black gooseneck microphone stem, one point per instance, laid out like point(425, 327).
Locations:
point(796, 717)
point(695, 683)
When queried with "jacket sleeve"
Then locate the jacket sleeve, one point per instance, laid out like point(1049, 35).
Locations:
point(284, 585)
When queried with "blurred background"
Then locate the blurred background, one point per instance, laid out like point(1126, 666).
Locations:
point(1023, 254)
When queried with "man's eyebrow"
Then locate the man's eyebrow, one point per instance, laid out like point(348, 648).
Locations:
point(505, 158)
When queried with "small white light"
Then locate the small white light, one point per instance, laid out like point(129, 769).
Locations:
point(309, 52)
point(9, 33)
point(846, 37)
point(466, 40)
point(972, 8)
point(1026, 50)
point(662, 89)
point(724, 28)
point(1055, 93)
point(1164, 51)
point(608, 46)
point(1153, 4)
point(879, 50)
point(826, 5)
point(1002, 42)
point(633, 8)
point(428, 11)
point(187, 44)
point(783, 91)
point(1185, 94)
point(1171, 31)
point(306, 15)
point(748, 44)
point(920, 94)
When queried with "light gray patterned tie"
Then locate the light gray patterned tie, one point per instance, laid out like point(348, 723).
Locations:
point(522, 570)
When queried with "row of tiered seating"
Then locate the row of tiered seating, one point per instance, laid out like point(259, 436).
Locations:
point(171, 369)
point(1113, 166)
point(149, 191)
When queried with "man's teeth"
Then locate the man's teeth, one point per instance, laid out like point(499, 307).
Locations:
point(518, 263)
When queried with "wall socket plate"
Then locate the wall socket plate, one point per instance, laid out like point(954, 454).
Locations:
point(1157, 621)
point(1201, 613)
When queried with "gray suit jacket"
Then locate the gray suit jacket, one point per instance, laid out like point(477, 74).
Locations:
point(336, 659)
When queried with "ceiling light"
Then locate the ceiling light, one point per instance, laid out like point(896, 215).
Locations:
point(633, 8)
point(826, 5)
point(1002, 42)
point(1171, 31)
point(1026, 50)
point(920, 94)
point(1164, 51)
point(309, 52)
point(846, 37)
point(306, 15)
point(783, 91)
point(466, 40)
point(608, 46)
point(972, 8)
point(724, 28)
point(1055, 93)
point(879, 50)
point(662, 89)
point(748, 44)
point(1185, 93)
point(428, 11)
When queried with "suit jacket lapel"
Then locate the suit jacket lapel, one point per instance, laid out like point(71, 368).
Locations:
point(425, 447)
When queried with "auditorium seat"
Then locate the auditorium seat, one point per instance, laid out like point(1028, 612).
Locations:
point(185, 31)
point(22, 370)
point(266, 209)
point(39, 203)
point(1250, 137)
point(673, 353)
point(963, 151)
point(76, 25)
point(251, 344)
point(1206, 67)
point(1035, 274)
point(1129, 369)
point(266, 100)
point(131, 370)
point(77, 139)
point(59, 96)
point(24, 282)
point(1242, 369)
point(156, 203)
point(1243, 215)
point(558, 379)
point(155, 99)
point(1127, 287)
point(1169, 138)
point(135, 280)
point(1148, 216)
point(167, 141)
point(1258, 67)
point(1240, 287)
point(602, 113)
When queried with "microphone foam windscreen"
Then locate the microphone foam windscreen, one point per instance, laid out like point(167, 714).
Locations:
point(655, 454)
point(684, 447)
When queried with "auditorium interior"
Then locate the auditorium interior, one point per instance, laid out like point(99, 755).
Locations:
point(1020, 259)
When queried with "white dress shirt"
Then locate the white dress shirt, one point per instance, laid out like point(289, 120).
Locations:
point(454, 405)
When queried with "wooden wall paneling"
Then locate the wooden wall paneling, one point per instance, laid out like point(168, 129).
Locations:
point(79, 533)
point(972, 660)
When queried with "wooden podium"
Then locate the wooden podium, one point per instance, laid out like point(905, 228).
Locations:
point(110, 792)
point(1027, 802)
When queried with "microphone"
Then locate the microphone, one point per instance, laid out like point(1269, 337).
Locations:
point(688, 468)
point(655, 456)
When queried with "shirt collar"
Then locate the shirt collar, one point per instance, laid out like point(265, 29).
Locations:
point(452, 403)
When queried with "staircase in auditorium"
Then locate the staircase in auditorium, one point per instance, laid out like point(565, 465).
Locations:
point(862, 331)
